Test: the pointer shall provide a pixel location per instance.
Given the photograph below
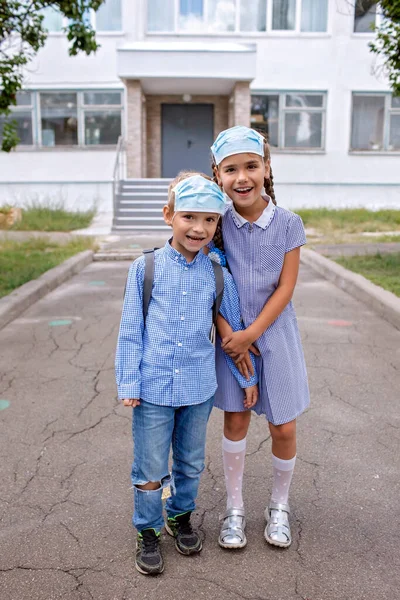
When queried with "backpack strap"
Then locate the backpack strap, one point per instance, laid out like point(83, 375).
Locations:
point(219, 287)
point(148, 279)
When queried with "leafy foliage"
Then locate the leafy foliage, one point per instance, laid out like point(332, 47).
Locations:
point(387, 42)
point(22, 35)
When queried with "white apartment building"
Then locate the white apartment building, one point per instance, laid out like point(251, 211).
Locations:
point(171, 74)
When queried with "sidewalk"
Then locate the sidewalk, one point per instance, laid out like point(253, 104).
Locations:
point(66, 446)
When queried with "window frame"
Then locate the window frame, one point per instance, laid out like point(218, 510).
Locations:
point(283, 110)
point(388, 111)
point(378, 23)
point(237, 31)
point(23, 109)
point(92, 20)
point(81, 109)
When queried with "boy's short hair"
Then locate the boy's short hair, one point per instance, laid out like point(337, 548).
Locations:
point(180, 177)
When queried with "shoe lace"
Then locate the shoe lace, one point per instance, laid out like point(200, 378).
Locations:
point(150, 541)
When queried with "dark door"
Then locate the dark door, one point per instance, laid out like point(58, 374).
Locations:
point(187, 134)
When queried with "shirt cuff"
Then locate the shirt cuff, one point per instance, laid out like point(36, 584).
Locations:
point(128, 391)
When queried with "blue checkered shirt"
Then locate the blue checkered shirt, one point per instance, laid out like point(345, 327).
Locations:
point(171, 361)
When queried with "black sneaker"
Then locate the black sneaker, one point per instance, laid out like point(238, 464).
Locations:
point(149, 560)
point(187, 540)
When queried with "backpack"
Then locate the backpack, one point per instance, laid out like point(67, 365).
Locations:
point(149, 278)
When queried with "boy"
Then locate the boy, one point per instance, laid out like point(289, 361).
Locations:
point(165, 368)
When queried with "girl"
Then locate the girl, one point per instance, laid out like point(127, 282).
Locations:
point(262, 244)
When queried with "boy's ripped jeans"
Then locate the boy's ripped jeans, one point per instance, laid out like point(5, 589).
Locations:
point(155, 429)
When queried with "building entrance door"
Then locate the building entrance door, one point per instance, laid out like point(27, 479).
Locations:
point(187, 134)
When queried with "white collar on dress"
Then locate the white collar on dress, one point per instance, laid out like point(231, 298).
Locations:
point(263, 220)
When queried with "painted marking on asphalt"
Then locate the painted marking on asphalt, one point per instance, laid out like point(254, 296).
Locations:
point(4, 404)
point(340, 323)
point(60, 322)
point(97, 283)
point(135, 246)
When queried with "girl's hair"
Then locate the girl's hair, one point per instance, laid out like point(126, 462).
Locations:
point(180, 177)
point(268, 185)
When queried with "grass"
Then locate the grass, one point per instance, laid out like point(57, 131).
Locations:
point(381, 269)
point(21, 262)
point(350, 220)
point(52, 217)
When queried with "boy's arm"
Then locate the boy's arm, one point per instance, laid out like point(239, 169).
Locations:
point(130, 338)
point(230, 310)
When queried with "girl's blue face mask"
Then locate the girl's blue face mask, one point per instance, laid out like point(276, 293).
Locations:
point(237, 140)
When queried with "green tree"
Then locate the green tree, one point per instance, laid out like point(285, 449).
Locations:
point(387, 42)
point(22, 34)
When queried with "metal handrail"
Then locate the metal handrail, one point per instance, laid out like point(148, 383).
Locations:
point(119, 169)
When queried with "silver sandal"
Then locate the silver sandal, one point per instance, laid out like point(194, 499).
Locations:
point(277, 531)
point(232, 529)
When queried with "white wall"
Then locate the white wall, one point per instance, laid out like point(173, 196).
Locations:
point(338, 62)
point(77, 178)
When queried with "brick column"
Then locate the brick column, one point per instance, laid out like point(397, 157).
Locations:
point(135, 134)
point(240, 104)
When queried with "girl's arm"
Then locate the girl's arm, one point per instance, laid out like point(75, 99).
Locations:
point(238, 342)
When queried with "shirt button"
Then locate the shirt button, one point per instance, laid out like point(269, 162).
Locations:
point(184, 293)
point(186, 268)
point(182, 318)
point(179, 343)
point(176, 370)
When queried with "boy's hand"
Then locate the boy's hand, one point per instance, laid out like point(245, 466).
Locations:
point(131, 402)
point(251, 396)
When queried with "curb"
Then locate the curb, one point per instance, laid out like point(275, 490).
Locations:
point(386, 304)
point(12, 305)
point(117, 255)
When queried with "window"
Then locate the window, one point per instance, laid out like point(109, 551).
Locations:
point(375, 123)
point(219, 16)
point(53, 19)
point(59, 119)
point(102, 118)
point(68, 118)
point(22, 114)
point(107, 18)
point(299, 15)
point(292, 120)
point(365, 13)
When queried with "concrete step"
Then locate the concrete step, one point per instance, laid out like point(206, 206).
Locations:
point(134, 226)
point(146, 182)
point(145, 195)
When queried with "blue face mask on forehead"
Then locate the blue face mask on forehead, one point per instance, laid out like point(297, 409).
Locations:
point(197, 194)
point(237, 140)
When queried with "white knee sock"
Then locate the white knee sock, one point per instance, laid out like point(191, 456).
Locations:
point(233, 454)
point(283, 471)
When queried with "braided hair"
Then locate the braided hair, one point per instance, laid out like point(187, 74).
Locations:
point(268, 186)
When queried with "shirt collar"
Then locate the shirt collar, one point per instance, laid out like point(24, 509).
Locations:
point(263, 220)
point(178, 257)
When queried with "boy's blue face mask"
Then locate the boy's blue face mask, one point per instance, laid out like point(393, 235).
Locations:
point(197, 194)
point(237, 140)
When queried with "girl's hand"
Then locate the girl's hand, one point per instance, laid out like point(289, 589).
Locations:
point(236, 343)
point(131, 402)
point(251, 396)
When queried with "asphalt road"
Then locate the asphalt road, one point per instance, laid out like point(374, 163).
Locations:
point(65, 447)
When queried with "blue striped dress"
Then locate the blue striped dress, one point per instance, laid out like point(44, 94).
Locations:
point(255, 254)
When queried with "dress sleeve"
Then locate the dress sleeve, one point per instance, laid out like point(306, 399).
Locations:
point(230, 310)
point(295, 234)
point(130, 339)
